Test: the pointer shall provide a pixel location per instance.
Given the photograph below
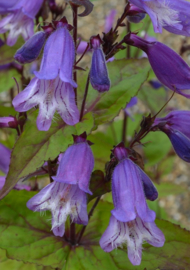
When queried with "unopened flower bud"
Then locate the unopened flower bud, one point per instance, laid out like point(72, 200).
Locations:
point(31, 49)
point(98, 72)
point(135, 14)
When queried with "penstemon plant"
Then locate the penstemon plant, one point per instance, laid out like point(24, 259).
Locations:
point(75, 186)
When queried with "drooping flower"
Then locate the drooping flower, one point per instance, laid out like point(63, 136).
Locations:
point(176, 126)
point(135, 14)
point(50, 95)
point(169, 67)
point(132, 234)
point(58, 57)
point(31, 49)
point(20, 19)
point(62, 200)
point(76, 164)
point(130, 185)
point(98, 72)
point(171, 15)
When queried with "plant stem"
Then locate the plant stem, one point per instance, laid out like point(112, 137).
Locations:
point(84, 98)
point(72, 233)
point(89, 216)
point(128, 54)
point(75, 25)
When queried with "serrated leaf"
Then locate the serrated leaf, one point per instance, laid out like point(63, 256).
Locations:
point(126, 76)
point(6, 264)
point(34, 147)
point(35, 243)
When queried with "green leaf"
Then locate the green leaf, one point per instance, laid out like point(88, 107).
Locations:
point(34, 147)
point(6, 111)
point(101, 148)
point(126, 76)
point(98, 185)
point(158, 147)
point(6, 264)
point(6, 79)
point(87, 124)
point(166, 189)
point(34, 242)
point(26, 235)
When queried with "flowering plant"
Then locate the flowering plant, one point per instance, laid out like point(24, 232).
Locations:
point(85, 145)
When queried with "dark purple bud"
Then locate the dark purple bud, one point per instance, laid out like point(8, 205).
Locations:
point(176, 126)
point(180, 142)
point(135, 14)
point(31, 49)
point(169, 67)
point(9, 121)
point(98, 72)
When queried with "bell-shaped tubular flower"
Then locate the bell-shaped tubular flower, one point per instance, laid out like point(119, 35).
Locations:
point(98, 72)
point(133, 234)
point(76, 164)
point(58, 57)
point(130, 185)
point(169, 67)
point(62, 200)
point(171, 15)
point(20, 20)
point(5, 5)
point(176, 126)
point(50, 95)
point(31, 49)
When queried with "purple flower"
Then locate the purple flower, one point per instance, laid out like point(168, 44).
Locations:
point(5, 5)
point(176, 126)
point(171, 15)
point(130, 185)
point(98, 72)
point(58, 57)
point(133, 101)
point(169, 67)
point(31, 49)
point(7, 121)
point(50, 95)
point(110, 20)
point(135, 15)
point(4, 158)
point(62, 200)
point(19, 21)
point(132, 234)
point(76, 164)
